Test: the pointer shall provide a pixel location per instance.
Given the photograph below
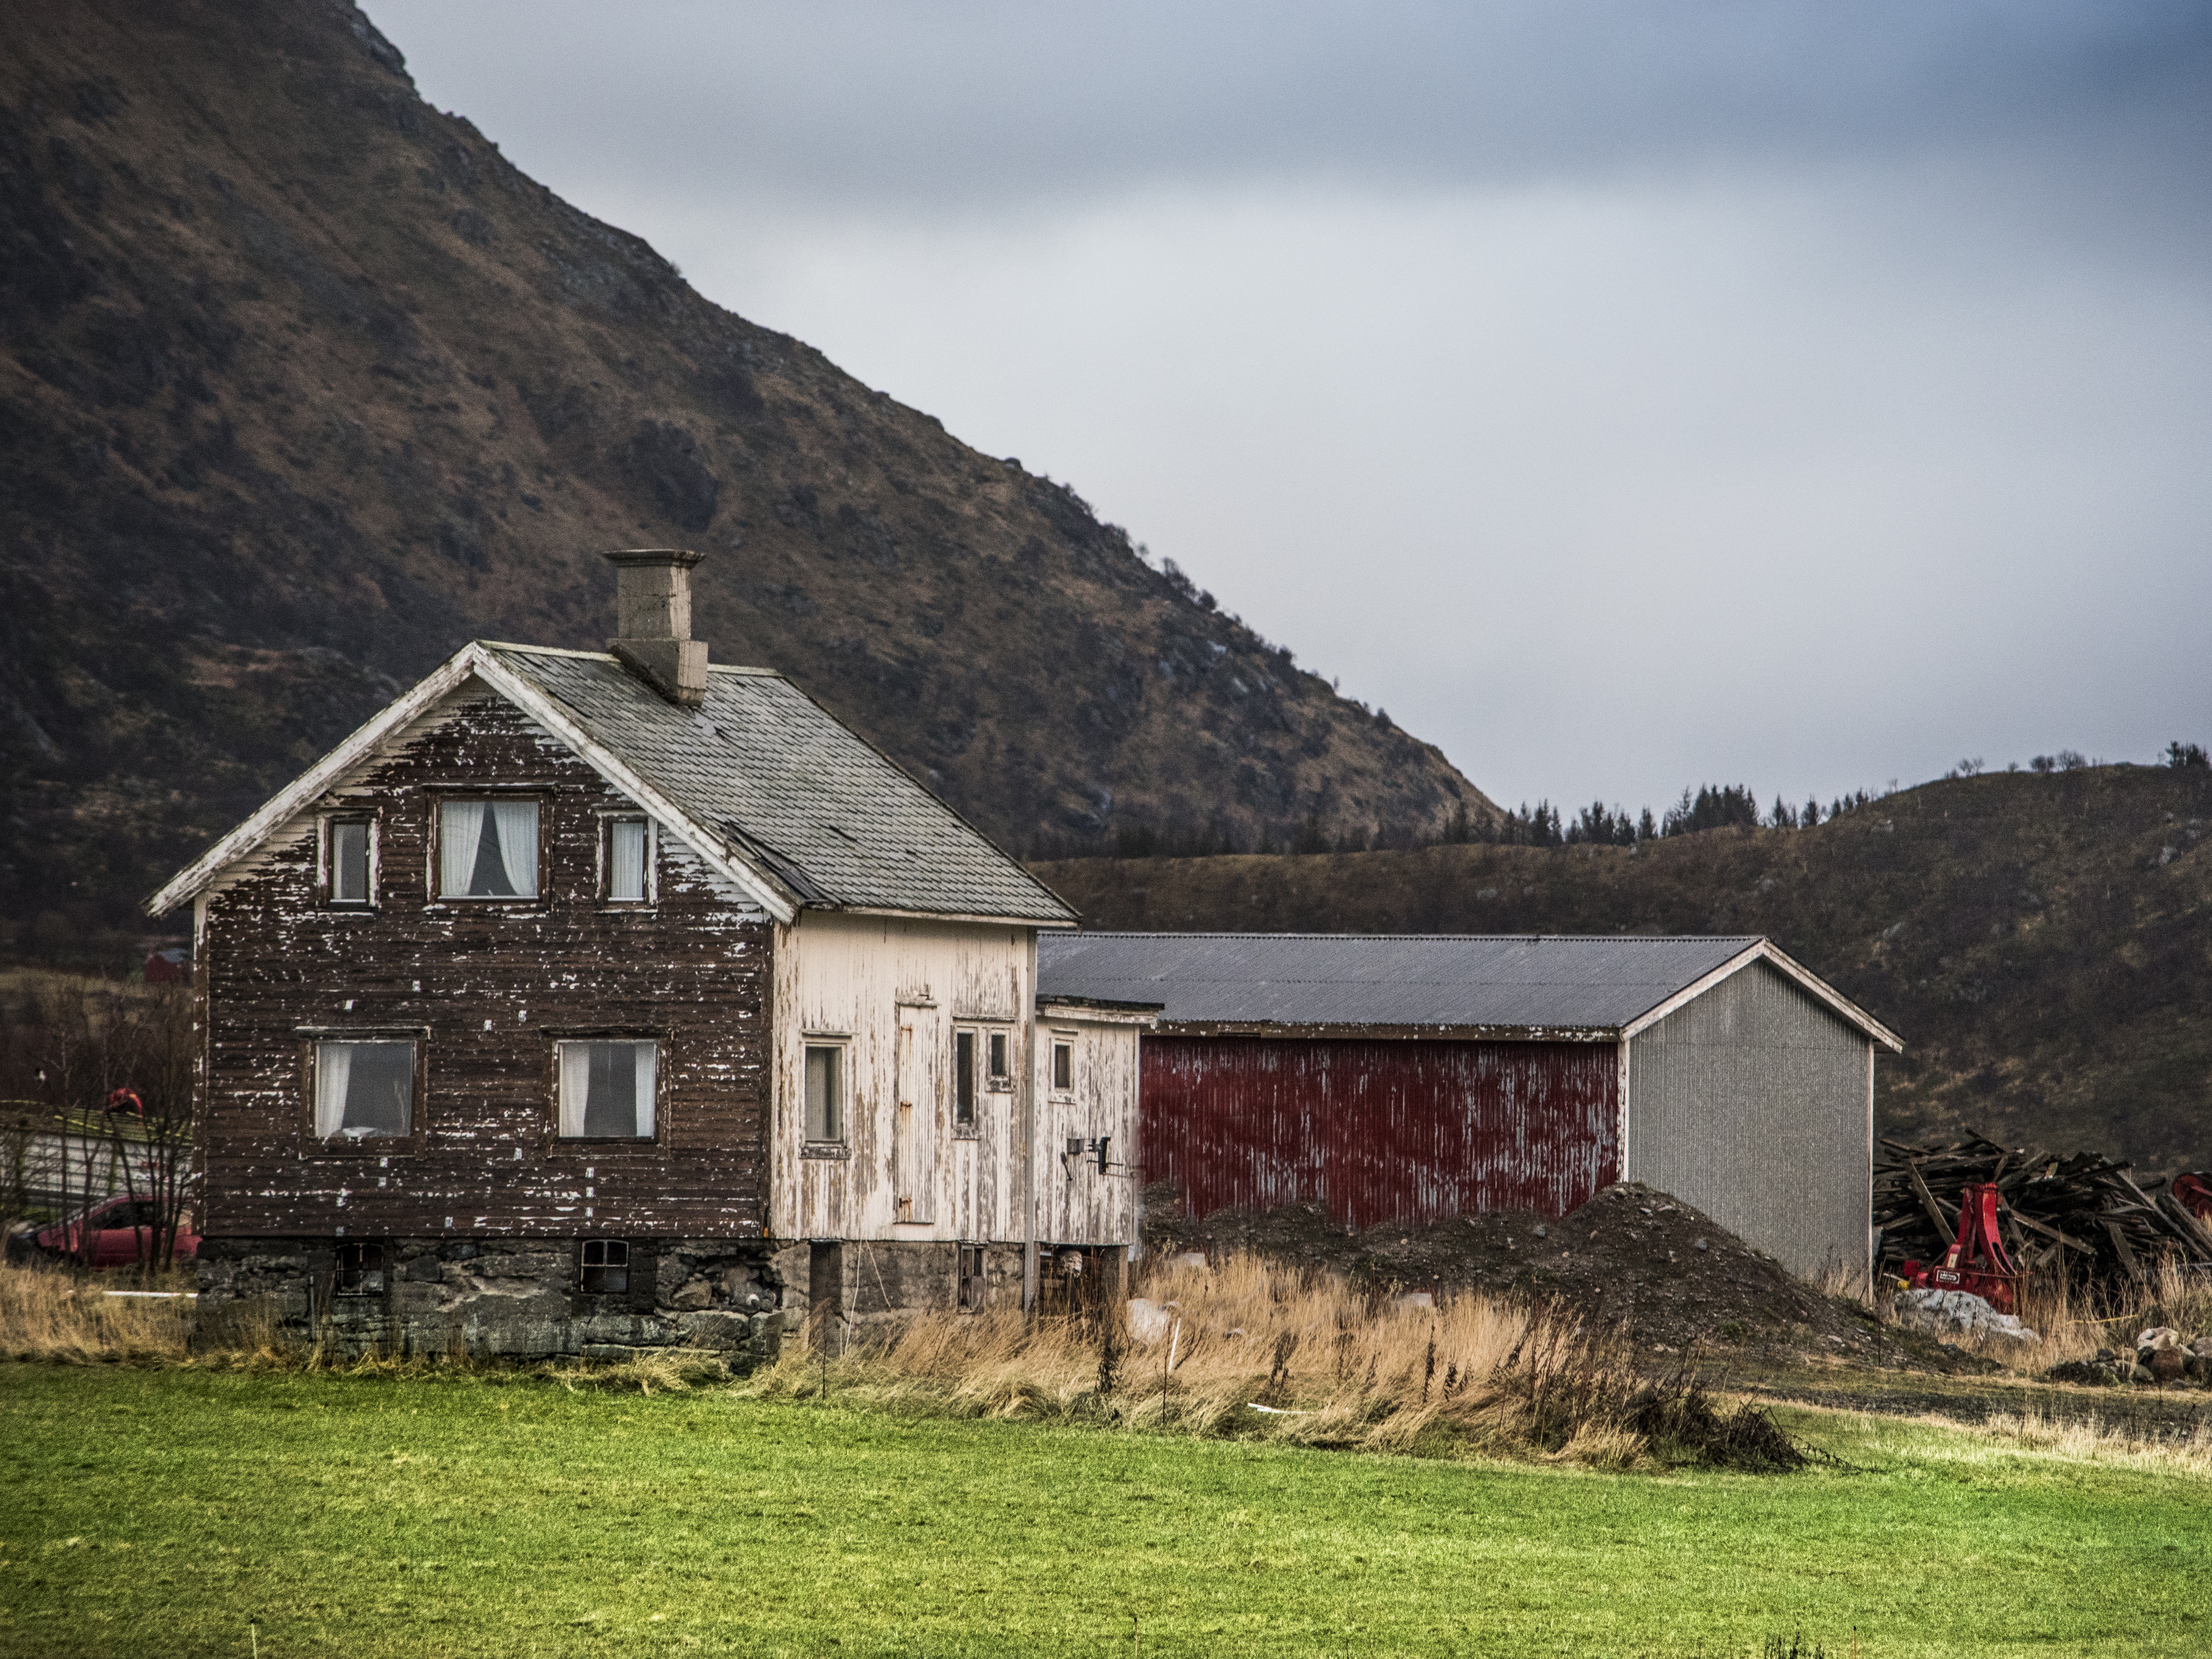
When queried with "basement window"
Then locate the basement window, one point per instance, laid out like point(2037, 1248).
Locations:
point(825, 1086)
point(488, 849)
point(629, 861)
point(972, 1286)
point(965, 1081)
point(364, 1091)
point(607, 1090)
point(606, 1266)
point(359, 1270)
point(350, 852)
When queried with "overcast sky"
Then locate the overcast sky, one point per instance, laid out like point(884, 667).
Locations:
point(1622, 395)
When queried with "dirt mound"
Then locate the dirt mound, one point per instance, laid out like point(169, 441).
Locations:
point(1664, 1271)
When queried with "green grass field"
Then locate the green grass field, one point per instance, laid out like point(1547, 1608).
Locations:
point(180, 1513)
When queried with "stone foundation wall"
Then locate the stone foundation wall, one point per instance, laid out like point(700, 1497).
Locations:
point(869, 1287)
point(523, 1298)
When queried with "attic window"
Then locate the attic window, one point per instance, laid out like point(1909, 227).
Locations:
point(488, 849)
point(351, 883)
point(629, 845)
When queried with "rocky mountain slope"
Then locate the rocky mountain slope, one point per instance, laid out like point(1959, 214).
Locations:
point(302, 384)
point(2042, 944)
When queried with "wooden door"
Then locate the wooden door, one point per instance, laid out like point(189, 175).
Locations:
point(914, 1136)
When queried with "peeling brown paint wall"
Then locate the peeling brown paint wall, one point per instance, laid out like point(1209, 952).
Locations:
point(492, 986)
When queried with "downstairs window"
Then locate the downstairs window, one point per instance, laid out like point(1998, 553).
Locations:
point(607, 1090)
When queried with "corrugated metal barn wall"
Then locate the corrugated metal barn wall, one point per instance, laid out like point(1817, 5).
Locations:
point(1755, 1103)
point(1381, 1130)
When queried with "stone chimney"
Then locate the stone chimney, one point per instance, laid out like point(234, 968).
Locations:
point(653, 622)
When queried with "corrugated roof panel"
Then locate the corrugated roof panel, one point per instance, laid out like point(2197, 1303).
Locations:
point(1340, 980)
point(792, 789)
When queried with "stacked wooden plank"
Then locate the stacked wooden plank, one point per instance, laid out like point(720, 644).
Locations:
point(2085, 1215)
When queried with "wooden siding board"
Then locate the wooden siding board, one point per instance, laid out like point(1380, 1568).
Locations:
point(1076, 1203)
point(854, 978)
point(1752, 1103)
point(491, 987)
point(1380, 1131)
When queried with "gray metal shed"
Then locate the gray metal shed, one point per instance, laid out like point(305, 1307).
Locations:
point(1407, 1078)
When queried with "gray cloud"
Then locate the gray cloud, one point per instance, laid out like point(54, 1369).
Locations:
point(1622, 395)
point(887, 104)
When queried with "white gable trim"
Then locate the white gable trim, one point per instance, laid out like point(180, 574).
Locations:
point(1765, 950)
point(472, 659)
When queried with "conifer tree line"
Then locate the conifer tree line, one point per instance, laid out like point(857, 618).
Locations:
point(1709, 806)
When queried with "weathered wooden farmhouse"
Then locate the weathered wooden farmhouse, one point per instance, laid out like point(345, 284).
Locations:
point(585, 1001)
point(1417, 1078)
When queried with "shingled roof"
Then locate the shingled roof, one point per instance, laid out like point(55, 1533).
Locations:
point(1509, 985)
point(760, 780)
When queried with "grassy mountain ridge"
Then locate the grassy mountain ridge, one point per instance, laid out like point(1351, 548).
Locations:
point(302, 384)
point(2042, 944)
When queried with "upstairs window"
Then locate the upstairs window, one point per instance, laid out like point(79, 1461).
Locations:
point(826, 1084)
point(606, 1266)
point(1001, 1065)
point(364, 1091)
point(630, 846)
point(488, 849)
point(1063, 1067)
point(351, 883)
point(607, 1090)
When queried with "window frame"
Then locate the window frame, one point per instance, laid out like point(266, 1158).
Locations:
point(441, 796)
point(326, 862)
point(608, 817)
point(359, 1250)
point(311, 1144)
point(1063, 1042)
point(998, 1083)
point(585, 1265)
point(971, 1280)
point(841, 1144)
point(604, 1144)
point(970, 1078)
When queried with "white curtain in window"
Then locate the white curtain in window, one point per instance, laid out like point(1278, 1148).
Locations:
point(626, 880)
point(517, 824)
point(647, 1056)
point(459, 829)
point(576, 1085)
point(333, 1073)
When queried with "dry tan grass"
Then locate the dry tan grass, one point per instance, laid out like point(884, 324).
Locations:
point(1261, 1350)
point(2075, 1323)
point(52, 1314)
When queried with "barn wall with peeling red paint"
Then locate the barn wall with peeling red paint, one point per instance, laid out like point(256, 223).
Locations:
point(1381, 1130)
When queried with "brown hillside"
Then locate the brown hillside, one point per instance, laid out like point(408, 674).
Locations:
point(302, 384)
point(2043, 944)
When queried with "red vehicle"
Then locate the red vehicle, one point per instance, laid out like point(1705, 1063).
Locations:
point(117, 1230)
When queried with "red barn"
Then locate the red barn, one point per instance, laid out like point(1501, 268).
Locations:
point(1412, 1078)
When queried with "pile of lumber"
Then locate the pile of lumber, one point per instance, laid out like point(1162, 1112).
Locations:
point(2085, 1215)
